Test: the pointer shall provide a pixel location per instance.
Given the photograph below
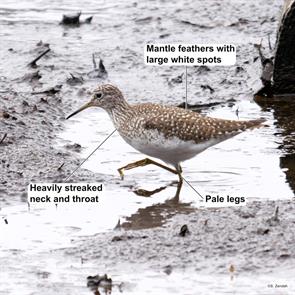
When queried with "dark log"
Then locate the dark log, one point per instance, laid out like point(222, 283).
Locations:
point(74, 19)
point(71, 19)
point(284, 63)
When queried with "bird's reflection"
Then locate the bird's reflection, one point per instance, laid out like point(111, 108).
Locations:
point(158, 214)
point(146, 193)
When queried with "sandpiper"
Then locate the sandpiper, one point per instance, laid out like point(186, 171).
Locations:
point(165, 132)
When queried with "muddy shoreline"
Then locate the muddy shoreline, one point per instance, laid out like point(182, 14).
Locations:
point(31, 121)
point(250, 238)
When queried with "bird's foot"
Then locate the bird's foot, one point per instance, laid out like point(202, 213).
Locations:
point(120, 170)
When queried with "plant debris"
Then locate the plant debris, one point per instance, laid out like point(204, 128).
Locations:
point(74, 19)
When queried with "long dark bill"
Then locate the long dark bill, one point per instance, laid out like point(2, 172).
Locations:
point(85, 106)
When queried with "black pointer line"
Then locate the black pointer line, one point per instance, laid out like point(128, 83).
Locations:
point(185, 87)
point(185, 105)
point(192, 188)
point(91, 154)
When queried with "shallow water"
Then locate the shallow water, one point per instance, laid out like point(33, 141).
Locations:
point(248, 165)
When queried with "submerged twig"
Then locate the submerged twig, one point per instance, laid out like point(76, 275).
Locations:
point(93, 61)
point(50, 91)
point(5, 220)
point(204, 87)
point(276, 216)
point(274, 220)
point(101, 67)
point(97, 72)
point(60, 167)
point(267, 73)
point(3, 138)
point(33, 63)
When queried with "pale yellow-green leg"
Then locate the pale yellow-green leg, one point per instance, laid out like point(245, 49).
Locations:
point(148, 161)
point(142, 163)
point(180, 183)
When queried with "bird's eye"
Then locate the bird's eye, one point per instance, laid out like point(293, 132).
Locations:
point(98, 95)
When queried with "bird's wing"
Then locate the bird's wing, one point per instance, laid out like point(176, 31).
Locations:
point(188, 125)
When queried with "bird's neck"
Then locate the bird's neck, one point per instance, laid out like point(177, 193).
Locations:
point(120, 113)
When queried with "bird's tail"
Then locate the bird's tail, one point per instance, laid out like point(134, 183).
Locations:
point(251, 124)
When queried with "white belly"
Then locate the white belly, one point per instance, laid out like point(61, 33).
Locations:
point(172, 150)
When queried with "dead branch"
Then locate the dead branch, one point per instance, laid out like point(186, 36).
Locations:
point(33, 62)
point(3, 138)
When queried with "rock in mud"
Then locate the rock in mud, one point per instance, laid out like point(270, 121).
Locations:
point(207, 87)
point(74, 147)
point(184, 230)
point(4, 115)
point(32, 77)
point(176, 80)
point(99, 281)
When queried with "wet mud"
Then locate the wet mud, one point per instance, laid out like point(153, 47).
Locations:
point(30, 123)
point(253, 239)
point(139, 245)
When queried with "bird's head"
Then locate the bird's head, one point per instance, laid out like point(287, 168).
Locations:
point(104, 96)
